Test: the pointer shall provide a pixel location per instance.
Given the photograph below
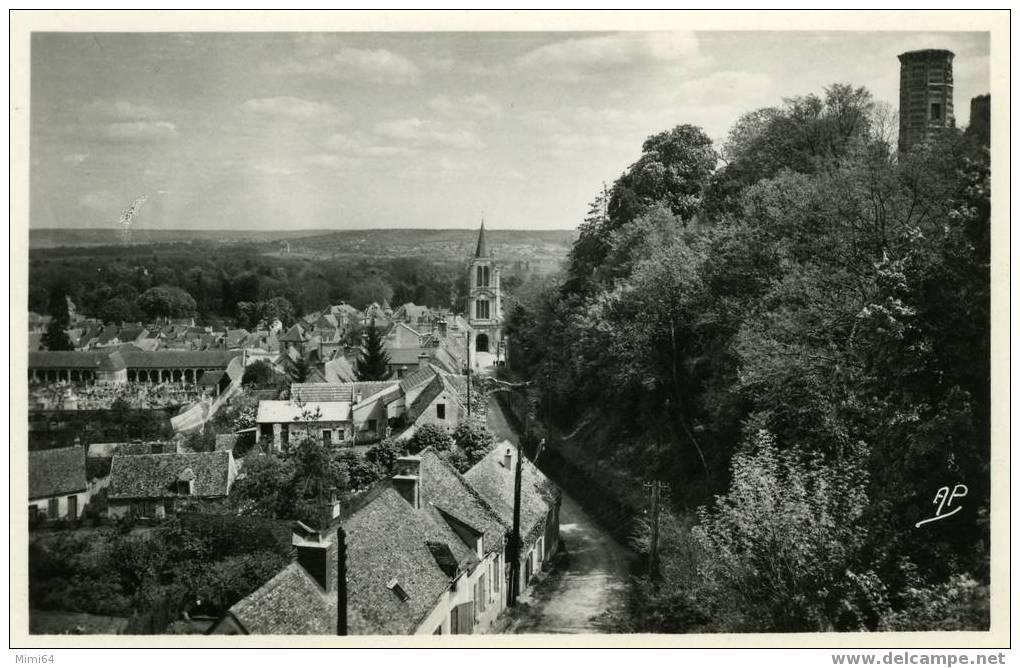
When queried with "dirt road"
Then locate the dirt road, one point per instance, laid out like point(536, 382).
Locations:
point(591, 579)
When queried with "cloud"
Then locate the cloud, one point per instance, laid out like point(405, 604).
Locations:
point(578, 57)
point(353, 146)
point(122, 110)
point(329, 161)
point(723, 88)
point(140, 131)
point(368, 65)
point(292, 108)
point(424, 133)
point(478, 105)
point(99, 200)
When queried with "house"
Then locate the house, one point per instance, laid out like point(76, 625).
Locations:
point(154, 486)
point(425, 554)
point(493, 479)
point(437, 402)
point(284, 422)
point(57, 485)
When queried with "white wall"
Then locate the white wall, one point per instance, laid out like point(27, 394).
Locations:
point(43, 505)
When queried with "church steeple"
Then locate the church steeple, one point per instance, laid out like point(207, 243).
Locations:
point(480, 250)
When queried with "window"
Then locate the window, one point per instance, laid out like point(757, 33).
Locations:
point(183, 487)
point(482, 277)
point(936, 111)
point(441, 411)
point(327, 437)
point(482, 309)
point(53, 509)
point(72, 507)
point(372, 426)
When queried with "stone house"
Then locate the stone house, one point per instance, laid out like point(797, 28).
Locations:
point(57, 484)
point(157, 485)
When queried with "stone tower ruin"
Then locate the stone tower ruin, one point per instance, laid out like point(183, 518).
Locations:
point(926, 95)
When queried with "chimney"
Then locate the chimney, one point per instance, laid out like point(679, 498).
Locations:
point(407, 481)
point(423, 360)
point(508, 458)
point(317, 554)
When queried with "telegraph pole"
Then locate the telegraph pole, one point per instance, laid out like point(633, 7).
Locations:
point(341, 582)
point(655, 489)
point(467, 337)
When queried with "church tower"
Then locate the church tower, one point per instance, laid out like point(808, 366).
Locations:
point(485, 306)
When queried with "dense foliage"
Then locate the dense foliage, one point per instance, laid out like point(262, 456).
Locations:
point(193, 566)
point(808, 336)
point(241, 283)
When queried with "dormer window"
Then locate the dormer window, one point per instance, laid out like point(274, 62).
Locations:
point(397, 590)
point(185, 483)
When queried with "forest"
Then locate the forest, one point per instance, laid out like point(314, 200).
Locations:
point(128, 284)
point(797, 328)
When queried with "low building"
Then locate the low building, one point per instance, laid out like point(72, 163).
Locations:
point(425, 554)
point(57, 484)
point(154, 486)
point(493, 479)
point(287, 422)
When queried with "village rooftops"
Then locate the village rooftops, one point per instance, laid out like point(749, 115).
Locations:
point(448, 491)
point(154, 476)
point(342, 392)
point(390, 542)
point(290, 603)
point(284, 412)
point(56, 472)
point(493, 479)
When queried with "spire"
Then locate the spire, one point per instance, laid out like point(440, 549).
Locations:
point(480, 250)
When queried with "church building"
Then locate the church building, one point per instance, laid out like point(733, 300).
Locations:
point(485, 308)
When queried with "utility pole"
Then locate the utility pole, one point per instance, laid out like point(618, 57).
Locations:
point(341, 582)
point(467, 337)
point(515, 539)
point(655, 488)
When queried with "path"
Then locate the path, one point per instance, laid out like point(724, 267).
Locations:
point(593, 578)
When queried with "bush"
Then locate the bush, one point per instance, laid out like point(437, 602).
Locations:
point(782, 544)
point(432, 436)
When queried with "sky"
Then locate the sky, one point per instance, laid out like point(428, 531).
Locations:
point(278, 131)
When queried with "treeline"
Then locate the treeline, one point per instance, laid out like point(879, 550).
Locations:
point(794, 331)
point(210, 281)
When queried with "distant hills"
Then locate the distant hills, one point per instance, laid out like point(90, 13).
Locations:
point(539, 248)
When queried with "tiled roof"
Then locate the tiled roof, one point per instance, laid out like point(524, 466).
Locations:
point(112, 362)
point(416, 378)
point(291, 603)
point(288, 411)
point(152, 476)
point(56, 472)
point(326, 392)
point(388, 540)
point(494, 482)
point(446, 489)
point(339, 370)
point(65, 359)
point(425, 399)
point(407, 356)
point(179, 358)
point(295, 334)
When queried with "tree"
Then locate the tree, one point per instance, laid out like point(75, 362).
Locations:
point(262, 491)
point(118, 309)
point(300, 370)
point(55, 337)
point(259, 373)
point(674, 168)
point(373, 289)
point(474, 441)
point(166, 302)
point(433, 436)
point(385, 454)
point(373, 362)
point(782, 546)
